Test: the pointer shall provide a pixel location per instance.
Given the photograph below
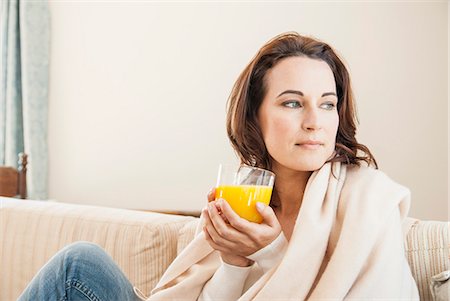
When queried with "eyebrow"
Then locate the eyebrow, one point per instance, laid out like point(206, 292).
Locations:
point(301, 93)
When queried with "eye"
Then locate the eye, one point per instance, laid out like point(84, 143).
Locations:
point(292, 104)
point(328, 106)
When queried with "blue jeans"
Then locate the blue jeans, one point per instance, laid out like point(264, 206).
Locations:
point(80, 271)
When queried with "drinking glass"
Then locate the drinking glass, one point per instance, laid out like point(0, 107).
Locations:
point(242, 187)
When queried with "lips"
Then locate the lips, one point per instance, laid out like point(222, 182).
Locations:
point(310, 144)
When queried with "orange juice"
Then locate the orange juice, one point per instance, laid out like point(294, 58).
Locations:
point(243, 198)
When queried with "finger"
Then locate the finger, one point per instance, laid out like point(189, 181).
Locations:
point(267, 214)
point(240, 224)
point(211, 241)
point(203, 216)
point(208, 226)
point(211, 194)
point(230, 236)
point(221, 213)
point(222, 228)
point(215, 236)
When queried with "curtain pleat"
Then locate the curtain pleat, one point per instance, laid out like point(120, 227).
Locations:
point(25, 39)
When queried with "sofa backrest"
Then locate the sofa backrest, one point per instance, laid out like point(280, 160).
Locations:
point(145, 243)
point(142, 243)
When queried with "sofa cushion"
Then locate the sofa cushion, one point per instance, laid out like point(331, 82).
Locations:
point(142, 243)
point(186, 234)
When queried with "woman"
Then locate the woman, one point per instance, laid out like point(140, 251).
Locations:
point(333, 227)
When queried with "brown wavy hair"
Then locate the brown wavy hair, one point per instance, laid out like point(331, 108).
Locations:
point(250, 88)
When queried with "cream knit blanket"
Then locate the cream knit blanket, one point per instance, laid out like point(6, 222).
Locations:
point(347, 244)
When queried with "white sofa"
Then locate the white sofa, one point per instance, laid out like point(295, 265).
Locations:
point(145, 243)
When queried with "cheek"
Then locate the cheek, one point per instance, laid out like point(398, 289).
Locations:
point(332, 128)
point(276, 130)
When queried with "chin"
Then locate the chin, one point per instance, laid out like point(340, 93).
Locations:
point(313, 167)
point(304, 165)
point(304, 162)
point(311, 164)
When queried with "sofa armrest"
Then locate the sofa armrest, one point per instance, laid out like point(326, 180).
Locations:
point(143, 244)
point(427, 250)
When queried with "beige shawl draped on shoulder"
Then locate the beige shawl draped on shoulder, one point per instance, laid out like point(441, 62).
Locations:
point(347, 244)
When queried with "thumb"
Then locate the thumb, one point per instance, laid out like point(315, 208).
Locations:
point(211, 195)
point(267, 214)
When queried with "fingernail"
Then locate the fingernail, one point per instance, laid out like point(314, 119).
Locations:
point(260, 205)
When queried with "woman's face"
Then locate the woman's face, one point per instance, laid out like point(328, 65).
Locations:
point(298, 115)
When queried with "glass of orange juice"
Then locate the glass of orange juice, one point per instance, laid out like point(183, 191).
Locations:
point(242, 187)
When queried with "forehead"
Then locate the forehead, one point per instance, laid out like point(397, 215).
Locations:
point(308, 75)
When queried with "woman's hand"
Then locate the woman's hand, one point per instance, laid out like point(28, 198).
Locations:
point(234, 236)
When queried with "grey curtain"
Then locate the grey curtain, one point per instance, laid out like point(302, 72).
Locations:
point(24, 61)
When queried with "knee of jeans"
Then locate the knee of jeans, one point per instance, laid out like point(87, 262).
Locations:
point(83, 250)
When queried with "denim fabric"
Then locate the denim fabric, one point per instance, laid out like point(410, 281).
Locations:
point(79, 272)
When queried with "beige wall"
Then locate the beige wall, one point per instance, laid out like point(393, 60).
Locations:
point(138, 93)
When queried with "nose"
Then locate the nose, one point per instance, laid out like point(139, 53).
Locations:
point(311, 120)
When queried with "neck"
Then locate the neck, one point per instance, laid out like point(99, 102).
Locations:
point(289, 189)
